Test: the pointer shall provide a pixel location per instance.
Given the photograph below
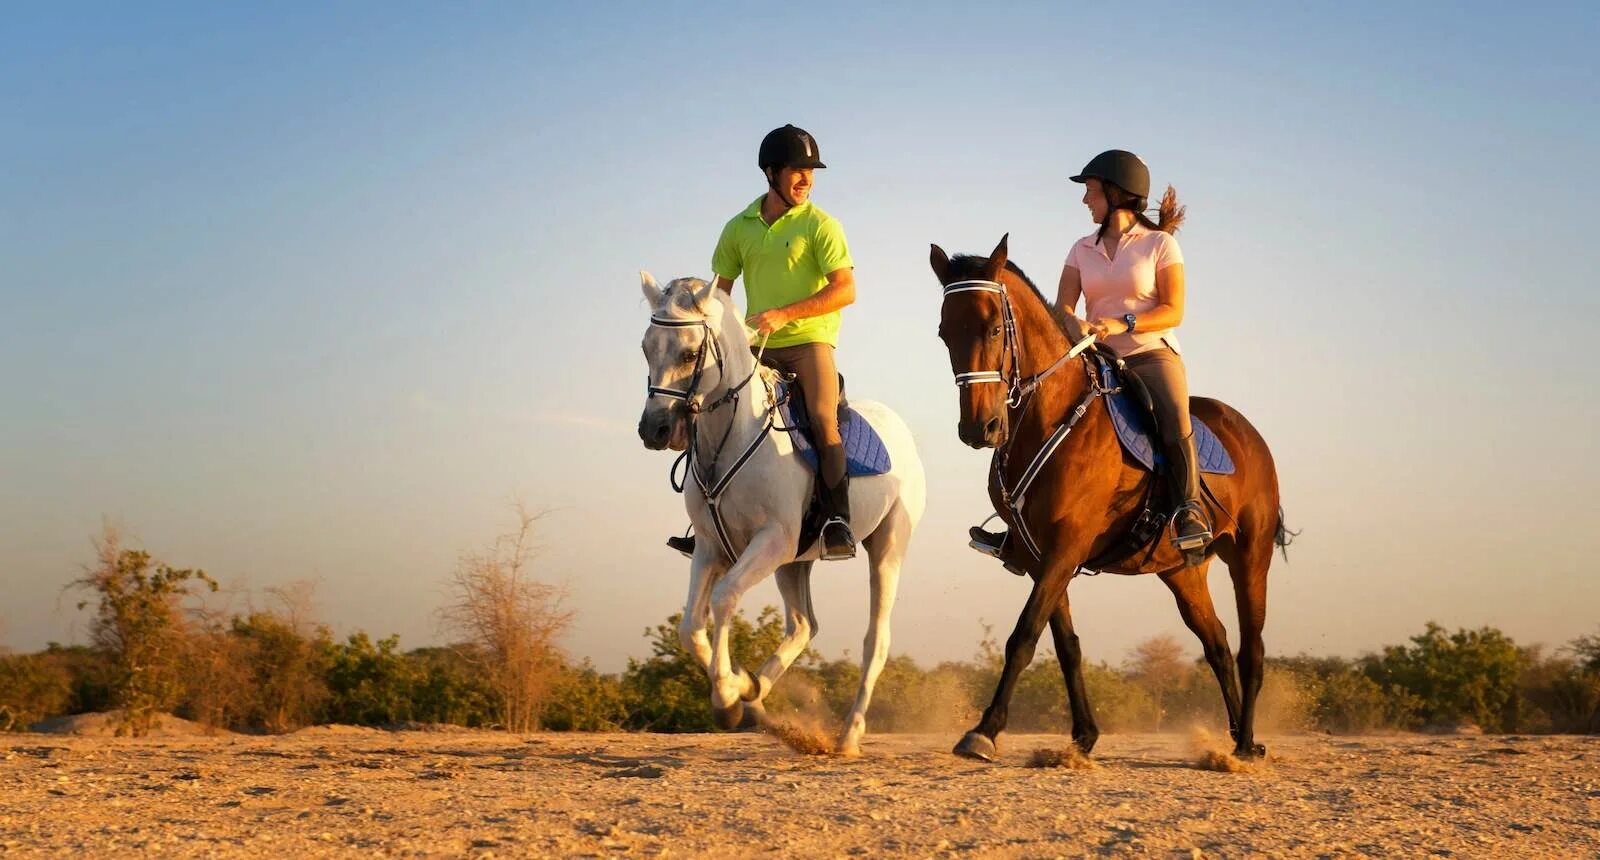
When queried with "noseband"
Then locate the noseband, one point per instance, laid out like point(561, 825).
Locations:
point(1017, 387)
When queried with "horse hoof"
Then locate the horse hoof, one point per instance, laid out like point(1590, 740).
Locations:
point(1251, 751)
point(1085, 742)
point(753, 719)
point(974, 745)
point(730, 717)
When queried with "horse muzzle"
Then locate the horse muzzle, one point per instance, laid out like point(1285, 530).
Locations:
point(983, 433)
point(663, 428)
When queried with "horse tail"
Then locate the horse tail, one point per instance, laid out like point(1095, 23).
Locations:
point(1282, 536)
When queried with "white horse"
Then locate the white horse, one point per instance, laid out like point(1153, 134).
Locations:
point(707, 391)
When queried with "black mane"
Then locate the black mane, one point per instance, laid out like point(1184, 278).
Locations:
point(968, 266)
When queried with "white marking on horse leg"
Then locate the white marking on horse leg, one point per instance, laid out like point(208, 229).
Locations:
point(794, 583)
point(886, 549)
point(766, 550)
point(703, 571)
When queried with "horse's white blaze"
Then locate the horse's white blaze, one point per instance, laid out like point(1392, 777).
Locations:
point(763, 506)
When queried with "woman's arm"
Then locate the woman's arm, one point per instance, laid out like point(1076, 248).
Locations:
point(1069, 289)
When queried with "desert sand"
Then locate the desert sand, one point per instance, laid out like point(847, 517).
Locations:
point(365, 792)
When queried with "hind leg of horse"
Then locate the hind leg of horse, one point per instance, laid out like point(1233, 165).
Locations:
point(1048, 591)
point(799, 624)
point(1070, 656)
point(1248, 568)
point(886, 550)
point(729, 688)
point(1194, 604)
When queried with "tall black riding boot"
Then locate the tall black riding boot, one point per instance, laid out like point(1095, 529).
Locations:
point(837, 541)
point(1191, 531)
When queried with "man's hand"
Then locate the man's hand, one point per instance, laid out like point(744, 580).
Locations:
point(769, 321)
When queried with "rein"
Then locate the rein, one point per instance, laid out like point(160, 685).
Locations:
point(710, 488)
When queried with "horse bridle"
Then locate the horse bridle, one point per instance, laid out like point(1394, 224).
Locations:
point(1017, 387)
point(711, 488)
point(707, 344)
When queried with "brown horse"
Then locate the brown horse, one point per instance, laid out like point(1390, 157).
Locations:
point(1089, 493)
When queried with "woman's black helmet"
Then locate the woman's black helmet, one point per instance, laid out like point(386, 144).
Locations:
point(789, 147)
point(1120, 168)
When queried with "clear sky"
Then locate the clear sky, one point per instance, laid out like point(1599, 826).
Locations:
point(297, 292)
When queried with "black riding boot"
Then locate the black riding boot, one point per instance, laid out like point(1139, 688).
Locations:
point(1191, 531)
point(682, 543)
point(837, 541)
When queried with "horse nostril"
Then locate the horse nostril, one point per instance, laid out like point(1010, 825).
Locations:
point(992, 428)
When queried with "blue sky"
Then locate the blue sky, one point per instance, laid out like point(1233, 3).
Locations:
point(295, 292)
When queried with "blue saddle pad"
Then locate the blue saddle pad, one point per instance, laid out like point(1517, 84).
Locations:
point(1138, 435)
point(864, 451)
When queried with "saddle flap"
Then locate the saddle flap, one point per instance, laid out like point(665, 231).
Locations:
point(865, 453)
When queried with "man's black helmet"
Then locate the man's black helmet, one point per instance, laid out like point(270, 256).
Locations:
point(789, 147)
point(1120, 168)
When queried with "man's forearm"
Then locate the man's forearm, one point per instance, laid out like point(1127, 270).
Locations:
point(831, 298)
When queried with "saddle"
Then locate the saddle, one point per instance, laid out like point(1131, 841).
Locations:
point(865, 453)
point(1132, 412)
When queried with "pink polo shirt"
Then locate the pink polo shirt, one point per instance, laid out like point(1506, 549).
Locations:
point(1126, 285)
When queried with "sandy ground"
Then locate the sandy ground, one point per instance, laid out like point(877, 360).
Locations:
point(349, 792)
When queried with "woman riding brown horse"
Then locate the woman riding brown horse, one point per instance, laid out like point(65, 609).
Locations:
point(1083, 499)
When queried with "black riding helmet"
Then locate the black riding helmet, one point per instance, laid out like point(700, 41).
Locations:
point(1120, 168)
point(788, 147)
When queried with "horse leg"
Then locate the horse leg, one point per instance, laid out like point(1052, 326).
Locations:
point(729, 689)
point(886, 549)
point(704, 569)
point(1248, 569)
point(1188, 585)
point(799, 624)
point(1070, 656)
point(1046, 595)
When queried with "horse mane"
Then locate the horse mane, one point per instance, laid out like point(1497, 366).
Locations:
point(968, 266)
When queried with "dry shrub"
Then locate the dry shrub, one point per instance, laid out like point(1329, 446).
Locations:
point(512, 621)
point(140, 623)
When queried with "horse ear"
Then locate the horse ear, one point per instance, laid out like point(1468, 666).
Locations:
point(940, 261)
point(703, 295)
point(997, 258)
point(647, 285)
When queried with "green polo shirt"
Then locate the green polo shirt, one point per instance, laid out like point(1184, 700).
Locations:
point(783, 264)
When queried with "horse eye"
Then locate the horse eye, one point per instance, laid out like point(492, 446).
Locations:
point(686, 358)
point(994, 332)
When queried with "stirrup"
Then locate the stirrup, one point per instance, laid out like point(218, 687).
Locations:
point(1191, 544)
point(992, 544)
point(987, 542)
point(683, 544)
point(829, 553)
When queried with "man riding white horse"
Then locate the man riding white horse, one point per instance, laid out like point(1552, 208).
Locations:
point(797, 275)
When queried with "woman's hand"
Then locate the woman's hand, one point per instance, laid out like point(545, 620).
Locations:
point(768, 321)
point(1108, 326)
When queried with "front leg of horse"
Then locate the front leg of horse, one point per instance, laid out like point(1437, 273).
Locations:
point(704, 569)
point(1068, 653)
point(730, 689)
point(1042, 600)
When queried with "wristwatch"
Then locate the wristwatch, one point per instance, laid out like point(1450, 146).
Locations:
point(1131, 320)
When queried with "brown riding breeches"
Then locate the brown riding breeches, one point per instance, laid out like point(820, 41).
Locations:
point(1162, 372)
point(812, 366)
